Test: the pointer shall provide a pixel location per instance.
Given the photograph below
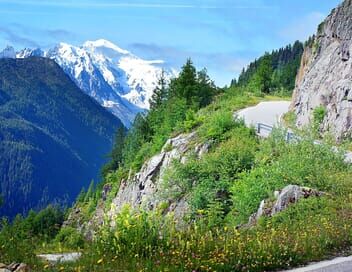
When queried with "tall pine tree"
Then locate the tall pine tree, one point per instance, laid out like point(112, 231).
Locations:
point(160, 93)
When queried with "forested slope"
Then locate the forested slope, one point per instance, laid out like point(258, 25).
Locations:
point(53, 137)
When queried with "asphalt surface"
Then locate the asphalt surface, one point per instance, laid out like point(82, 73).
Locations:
point(342, 264)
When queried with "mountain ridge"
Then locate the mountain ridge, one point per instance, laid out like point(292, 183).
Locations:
point(119, 80)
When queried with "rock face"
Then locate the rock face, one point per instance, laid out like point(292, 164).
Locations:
point(143, 190)
point(283, 199)
point(325, 75)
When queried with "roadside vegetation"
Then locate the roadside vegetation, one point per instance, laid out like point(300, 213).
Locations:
point(225, 187)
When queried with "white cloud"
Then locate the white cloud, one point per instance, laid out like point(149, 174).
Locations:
point(303, 27)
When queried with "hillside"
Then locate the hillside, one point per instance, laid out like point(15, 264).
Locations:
point(53, 137)
point(273, 72)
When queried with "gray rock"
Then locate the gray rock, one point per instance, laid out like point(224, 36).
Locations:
point(13, 266)
point(22, 268)
point(289, 195)
point(141, 191)
point(325, 77)
point(5, 270)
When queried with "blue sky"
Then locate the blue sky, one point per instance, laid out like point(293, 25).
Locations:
point(222, 35)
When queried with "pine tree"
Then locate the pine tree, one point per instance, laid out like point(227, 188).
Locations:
point(160, 93)
point(185, 86)
point(206, 88)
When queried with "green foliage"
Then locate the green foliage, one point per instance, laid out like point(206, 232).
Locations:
point(71, 238)
point(319, 114)
point(217, 125)
point(173, 108)
point(261, 80)
point(116, 155)
point(274, 72)
point(18, 239)
point(279, 165)
point(207, 181)
point(160, 93)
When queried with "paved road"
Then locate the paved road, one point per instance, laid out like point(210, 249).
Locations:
point(268, 113)
point(343, 264)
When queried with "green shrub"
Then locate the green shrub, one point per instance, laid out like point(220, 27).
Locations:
point(70, 238)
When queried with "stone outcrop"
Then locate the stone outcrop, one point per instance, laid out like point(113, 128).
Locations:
point(283, 199)
point(144, 190)
point(325, 75)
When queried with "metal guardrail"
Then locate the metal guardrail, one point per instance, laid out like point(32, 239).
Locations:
point(289, 135)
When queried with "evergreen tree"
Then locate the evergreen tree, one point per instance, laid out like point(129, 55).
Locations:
point(116, 154)
point(160, 93)
point(206, 88)
point(185, 85)
point(262, 78)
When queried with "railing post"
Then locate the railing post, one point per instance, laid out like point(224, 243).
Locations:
point(258, 128)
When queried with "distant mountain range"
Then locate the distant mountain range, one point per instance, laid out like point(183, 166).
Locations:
point(53, 137)
point(117, 79)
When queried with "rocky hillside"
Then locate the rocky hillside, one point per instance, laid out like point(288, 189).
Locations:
point(324, 80)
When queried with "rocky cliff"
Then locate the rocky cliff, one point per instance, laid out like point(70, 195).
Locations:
point(325, 75)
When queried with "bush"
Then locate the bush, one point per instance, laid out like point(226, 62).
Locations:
point(70, 238)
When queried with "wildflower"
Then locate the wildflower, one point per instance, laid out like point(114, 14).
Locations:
point(99, 261)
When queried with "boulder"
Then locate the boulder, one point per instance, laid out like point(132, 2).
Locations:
point(291, 194)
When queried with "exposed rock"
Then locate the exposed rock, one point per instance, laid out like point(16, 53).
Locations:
point(289, 195)
point(14, 267)
point(325, 75)
point(106, 190)
point(141, 191)
point(22, 268)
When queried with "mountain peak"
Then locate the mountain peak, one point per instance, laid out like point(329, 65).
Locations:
point(106, 44)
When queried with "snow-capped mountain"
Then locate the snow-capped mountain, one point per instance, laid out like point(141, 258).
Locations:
point(117, 79)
